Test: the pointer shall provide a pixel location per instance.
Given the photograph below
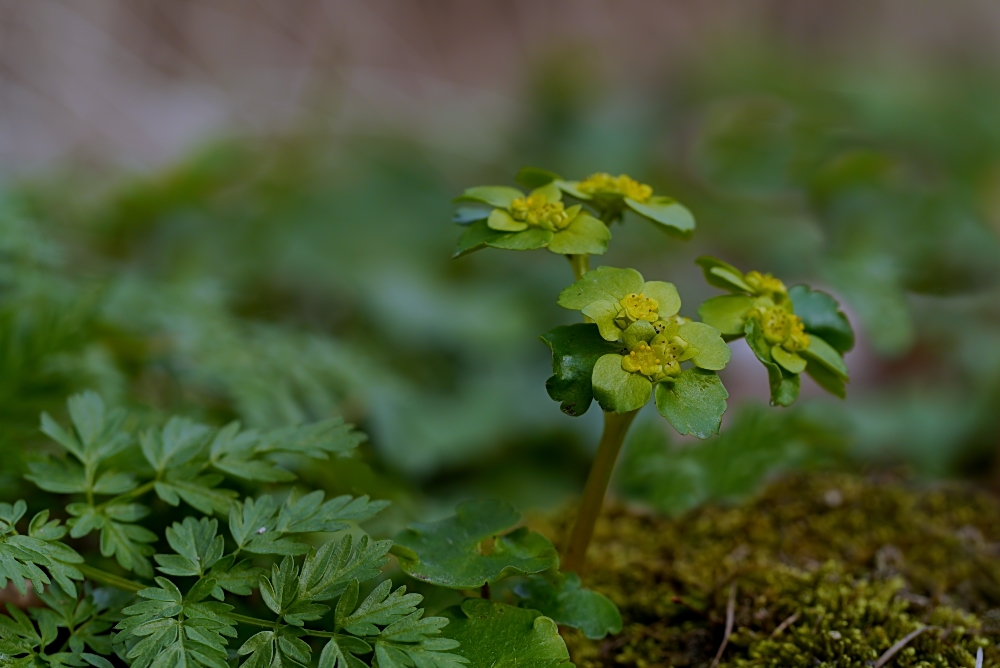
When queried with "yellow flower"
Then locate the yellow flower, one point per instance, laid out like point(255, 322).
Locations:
point(782, 328)
point(622, 185)
point(655, 360)
point(765, 284)
point(639, 307)
point(537, 211)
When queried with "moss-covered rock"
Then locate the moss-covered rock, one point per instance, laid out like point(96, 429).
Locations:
point(828, 570)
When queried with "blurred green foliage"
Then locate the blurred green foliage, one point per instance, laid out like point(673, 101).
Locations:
point(295, 278)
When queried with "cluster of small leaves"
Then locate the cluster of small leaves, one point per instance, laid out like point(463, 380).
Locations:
point(182, 461)
point(789, 330)
point(76, 627)
point(169, 626)
point(482, 545)
point(539, 219)
point(38, 557)
point(314, 590)
point(636, 343)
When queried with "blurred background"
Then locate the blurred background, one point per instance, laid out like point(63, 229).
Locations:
point(240, 210)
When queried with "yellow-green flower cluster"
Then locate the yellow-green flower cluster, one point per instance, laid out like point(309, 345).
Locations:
point(622, 186)
point(537, 211)
point(660, 357)
point(790, 331)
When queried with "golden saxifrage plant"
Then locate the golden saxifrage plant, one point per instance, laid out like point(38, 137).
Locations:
point(634, 345)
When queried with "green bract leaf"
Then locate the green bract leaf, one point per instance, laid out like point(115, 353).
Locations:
point(585, 235)
point(784, 384)
point(575, 350)
point(563, 599)
point(667, 212)
point(822, 352)
point(617, 390)
point(666, 296)
point(822, 316)
point(456, 552)
point(499, 196)
point(790, 362)
point(501, 221)
point(710, 351)
point(693, 403)
point(529, 239)
point(501, 636)
point(727, 313)
point(722, 274)
point(828, 380)
point(468, 214)
point(604, 314)
point(476, 236)
point(638, 332)
point(533, 177)
point(602, 284)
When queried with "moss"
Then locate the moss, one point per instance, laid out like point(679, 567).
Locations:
point(851, 565)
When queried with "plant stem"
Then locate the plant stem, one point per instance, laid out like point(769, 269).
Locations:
point(111, 579)
point(615, 427)
point(252, 621)
point(580, 264)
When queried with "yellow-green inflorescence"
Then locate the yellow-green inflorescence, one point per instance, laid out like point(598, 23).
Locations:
point(535, 210)
point(828, 570)
point(660, 357)
point(621, 186)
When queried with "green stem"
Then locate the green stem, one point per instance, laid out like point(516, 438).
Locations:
point(580, 264)
point(138, 491)
point(615, 427)
point(251, 621)
point(97, 575)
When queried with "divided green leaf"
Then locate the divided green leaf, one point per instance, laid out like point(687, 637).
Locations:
point(471, 548)
point(562, 598)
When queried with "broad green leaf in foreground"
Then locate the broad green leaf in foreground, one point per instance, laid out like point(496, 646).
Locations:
point(496, 635)
point(561, 597)
point(822, 316)
point(693, 403)
point(727, 313)
point(784, 384)
point(575, 350)
point(618, 390)
point(470, 549)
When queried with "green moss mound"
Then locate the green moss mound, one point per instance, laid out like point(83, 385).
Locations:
point(825, 570)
